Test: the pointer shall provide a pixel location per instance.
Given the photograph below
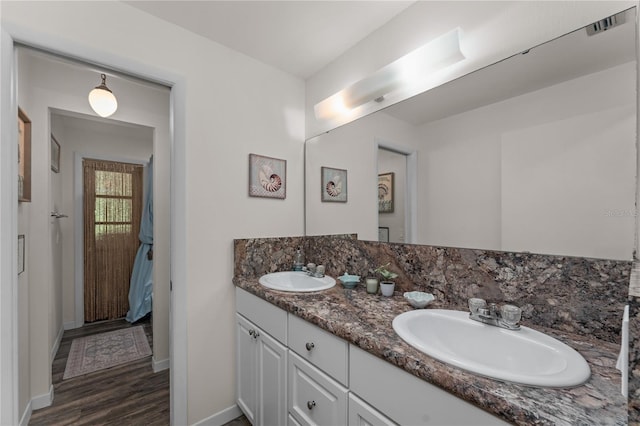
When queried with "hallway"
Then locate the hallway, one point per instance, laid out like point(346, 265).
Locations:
point(130, 394)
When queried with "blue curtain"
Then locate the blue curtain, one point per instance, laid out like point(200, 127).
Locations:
point(141, 285)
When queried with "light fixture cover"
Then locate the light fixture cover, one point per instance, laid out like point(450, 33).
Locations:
point(402, 74)
point(102, 100)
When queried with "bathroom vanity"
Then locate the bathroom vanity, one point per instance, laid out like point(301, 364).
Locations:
point(332, 357)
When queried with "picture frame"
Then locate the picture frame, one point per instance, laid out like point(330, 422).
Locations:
point(20, 254)
point(333, 184)
point(383, 234)
point(385, 192)
point(55, 154)
point(267, 177)
point(24, 157)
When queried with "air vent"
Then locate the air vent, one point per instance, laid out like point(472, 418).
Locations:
point(605, 24)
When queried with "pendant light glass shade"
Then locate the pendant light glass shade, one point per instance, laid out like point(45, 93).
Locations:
point(102, 100)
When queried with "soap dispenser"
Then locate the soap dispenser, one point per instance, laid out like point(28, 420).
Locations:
point(298, 260)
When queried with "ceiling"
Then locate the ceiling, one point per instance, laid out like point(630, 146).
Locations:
point(299, 37)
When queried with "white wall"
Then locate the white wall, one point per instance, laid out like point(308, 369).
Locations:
point(229, 105)
point(492, 31)
point(537, 172)
point(353, 148)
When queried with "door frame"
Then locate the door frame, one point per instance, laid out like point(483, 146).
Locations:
point(411, 191)
point(78, 245)
point(10, 35)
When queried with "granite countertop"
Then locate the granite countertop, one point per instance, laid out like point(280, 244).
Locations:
point(365, 321)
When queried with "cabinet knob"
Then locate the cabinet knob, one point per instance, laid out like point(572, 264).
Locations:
point(254, 333)
point(311, 404)
point(310, 346)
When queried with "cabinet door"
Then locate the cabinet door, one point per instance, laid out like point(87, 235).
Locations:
point(362, 414)
point(314, 397)
point(246, 368)
point(272, 381)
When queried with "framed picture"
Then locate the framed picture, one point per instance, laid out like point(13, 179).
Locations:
point(334, 185)
point(383, 234)
point(267, 177)
point(55, 154)
point(24, 156)
point(385, 193)
point(20, 254)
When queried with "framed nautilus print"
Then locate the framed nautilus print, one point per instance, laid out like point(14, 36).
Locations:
point(267, 177)
point(385, 192)
point(334, 185)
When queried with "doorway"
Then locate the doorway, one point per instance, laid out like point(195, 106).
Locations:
point(48, 92)
point(397, 193)
point(112, 202)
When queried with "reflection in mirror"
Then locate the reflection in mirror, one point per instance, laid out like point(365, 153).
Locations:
point(534, 153)
point(392, 177)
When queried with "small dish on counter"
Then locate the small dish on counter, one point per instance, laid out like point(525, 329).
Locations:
point(419, 299)
point(349, 281)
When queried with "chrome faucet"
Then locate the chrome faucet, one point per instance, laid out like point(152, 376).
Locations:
point(507, 316)
point(314, 271)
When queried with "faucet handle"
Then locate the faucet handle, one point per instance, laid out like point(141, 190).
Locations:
point(476, 304)
point(511, 314)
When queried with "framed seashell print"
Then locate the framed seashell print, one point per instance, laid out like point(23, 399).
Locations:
point(334, 185)
point(385, 192)
point(267, 177)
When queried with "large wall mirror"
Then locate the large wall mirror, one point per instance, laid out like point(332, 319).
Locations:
point(534, 153)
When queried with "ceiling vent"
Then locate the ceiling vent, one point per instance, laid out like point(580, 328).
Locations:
point(605, 24)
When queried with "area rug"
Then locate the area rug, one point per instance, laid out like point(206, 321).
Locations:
point(104, 350)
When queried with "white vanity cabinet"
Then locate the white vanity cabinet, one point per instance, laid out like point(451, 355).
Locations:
point(291, 372)
point(261, 374)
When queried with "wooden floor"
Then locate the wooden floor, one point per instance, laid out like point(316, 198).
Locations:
point(130, 394)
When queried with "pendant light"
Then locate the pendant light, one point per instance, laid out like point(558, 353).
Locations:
point(102, 100)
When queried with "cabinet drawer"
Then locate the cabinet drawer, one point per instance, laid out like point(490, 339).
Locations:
point(291, 421)
point(270, 318)
point(407, 399)
point(362, 414)
point(321, 348)
point(315, 398)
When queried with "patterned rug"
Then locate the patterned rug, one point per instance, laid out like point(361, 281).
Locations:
point(104, 350)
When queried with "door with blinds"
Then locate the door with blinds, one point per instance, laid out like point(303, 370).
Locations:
point(112, 210)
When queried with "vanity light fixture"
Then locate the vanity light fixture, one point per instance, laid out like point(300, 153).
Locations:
point(404, 73)
point(102, 100)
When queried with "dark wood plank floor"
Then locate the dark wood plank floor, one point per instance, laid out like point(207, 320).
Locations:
point(130, 394)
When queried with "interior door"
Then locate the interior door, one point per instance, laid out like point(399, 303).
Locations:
point(112, 201)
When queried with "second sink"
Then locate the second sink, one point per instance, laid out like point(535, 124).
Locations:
point(525, 356)
point(295, 281)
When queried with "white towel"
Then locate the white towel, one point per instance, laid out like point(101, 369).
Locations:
point(623, 358)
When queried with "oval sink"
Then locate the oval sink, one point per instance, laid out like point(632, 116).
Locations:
point(522, 356)
point(295, 281)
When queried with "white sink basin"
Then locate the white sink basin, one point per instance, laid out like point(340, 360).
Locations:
point(295, 281)
point(522, 356)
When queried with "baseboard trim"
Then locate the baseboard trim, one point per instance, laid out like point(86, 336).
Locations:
point(159, 365)
point(221, 417)
point(42, 401)
point(26, 416)
point(71, 325)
